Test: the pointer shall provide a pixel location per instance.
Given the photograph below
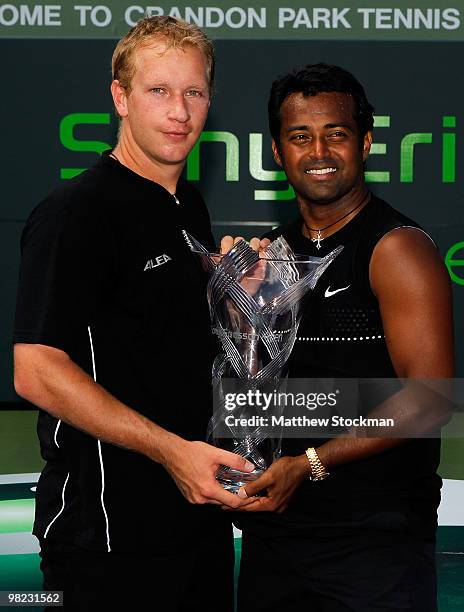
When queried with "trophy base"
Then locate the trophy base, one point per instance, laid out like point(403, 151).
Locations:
point(232, 480)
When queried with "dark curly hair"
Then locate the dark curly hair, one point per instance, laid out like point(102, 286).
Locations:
point(314, 79)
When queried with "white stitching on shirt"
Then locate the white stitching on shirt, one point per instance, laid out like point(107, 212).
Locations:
point(56, 433)
point(102, 469)
point(411, 227)
point(62, 506)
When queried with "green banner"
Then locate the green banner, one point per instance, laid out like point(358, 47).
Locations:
point(286, 19)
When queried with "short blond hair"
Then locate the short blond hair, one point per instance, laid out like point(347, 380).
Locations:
point(174, 32)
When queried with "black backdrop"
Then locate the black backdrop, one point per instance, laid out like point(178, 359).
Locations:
point(413, 86)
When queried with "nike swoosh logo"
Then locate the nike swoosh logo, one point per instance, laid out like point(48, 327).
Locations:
point(328, 293)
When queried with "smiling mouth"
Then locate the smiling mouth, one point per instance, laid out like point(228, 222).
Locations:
point(321, 171)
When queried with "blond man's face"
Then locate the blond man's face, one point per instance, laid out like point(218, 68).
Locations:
point(166, 107)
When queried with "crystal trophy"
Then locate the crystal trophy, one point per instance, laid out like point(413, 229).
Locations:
point(255, 307)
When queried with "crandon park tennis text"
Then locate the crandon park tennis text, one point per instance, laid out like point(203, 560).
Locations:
point(112, 19)
point(304, 421)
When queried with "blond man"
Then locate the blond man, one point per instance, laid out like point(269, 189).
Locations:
point(112, 344)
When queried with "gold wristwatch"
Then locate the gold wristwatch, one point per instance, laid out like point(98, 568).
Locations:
point(318, 471)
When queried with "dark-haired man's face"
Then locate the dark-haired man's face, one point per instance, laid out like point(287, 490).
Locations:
point(320, 148)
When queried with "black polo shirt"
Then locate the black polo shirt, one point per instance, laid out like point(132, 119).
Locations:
point(341, 335)
point(107, 277)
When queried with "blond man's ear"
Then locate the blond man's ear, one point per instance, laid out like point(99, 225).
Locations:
point(119, 94)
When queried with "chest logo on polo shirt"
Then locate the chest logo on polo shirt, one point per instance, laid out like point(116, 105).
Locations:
point(328, 293)
point(157, 261)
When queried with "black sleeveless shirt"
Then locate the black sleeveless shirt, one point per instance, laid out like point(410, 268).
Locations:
point(341, 335)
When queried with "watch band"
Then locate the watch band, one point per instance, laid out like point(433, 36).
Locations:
point(318, 471)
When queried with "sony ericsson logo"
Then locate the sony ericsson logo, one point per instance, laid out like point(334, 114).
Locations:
point(156, 262)
point(438, 144)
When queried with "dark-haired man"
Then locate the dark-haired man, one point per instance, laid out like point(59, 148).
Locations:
point(348, 524)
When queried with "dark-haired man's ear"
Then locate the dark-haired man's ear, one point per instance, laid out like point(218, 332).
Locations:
point(276, 153)
point(367, 145)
